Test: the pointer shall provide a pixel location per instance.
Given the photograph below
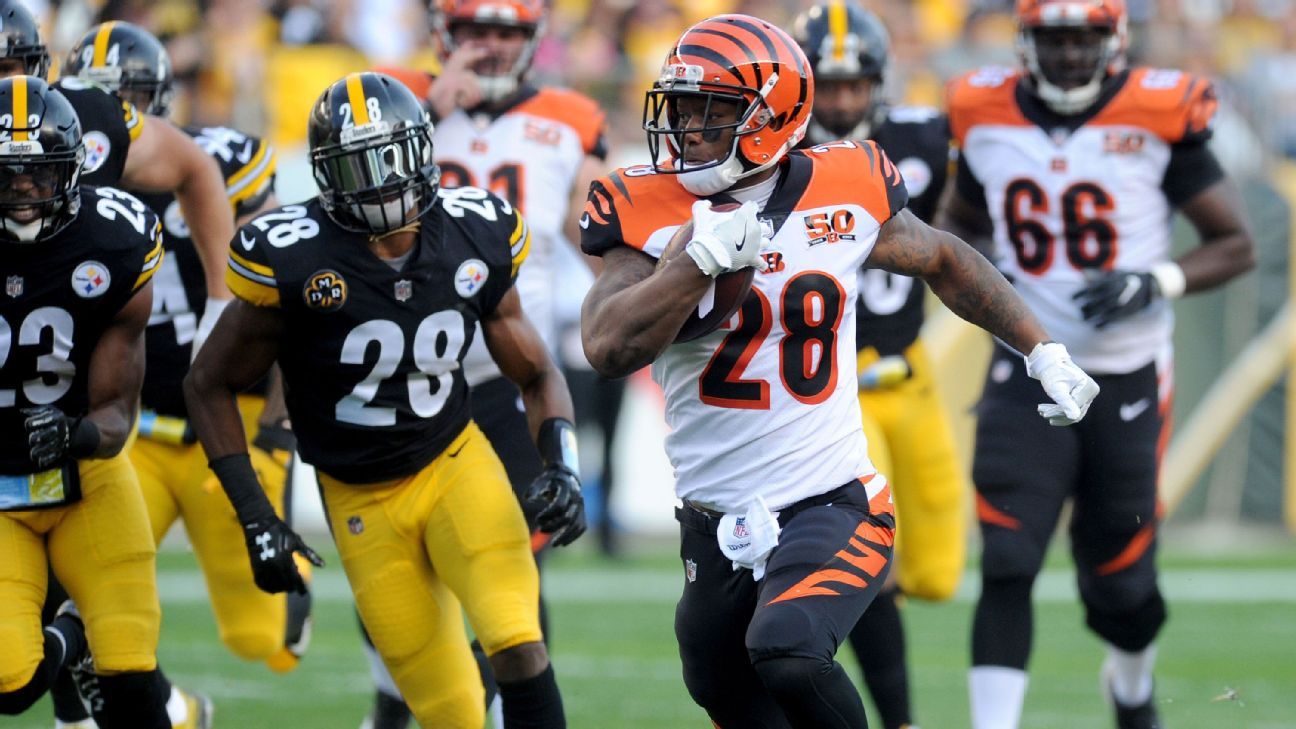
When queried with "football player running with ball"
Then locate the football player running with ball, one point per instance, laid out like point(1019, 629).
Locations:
point(368, 296)
point(787, 528)
point(1074, 165)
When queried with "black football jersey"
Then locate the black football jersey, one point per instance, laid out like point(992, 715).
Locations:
point(889, 311)
point(108, 126)
point(180, 289)
point(371, 356)
point(60, 296)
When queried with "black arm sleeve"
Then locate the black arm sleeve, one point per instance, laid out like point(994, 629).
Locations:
point(968, 186)
point(1192, 168)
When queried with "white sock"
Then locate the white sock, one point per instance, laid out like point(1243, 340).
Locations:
point(996, 694)
point(382, 678)
point(1129, 675)
point(177, 707)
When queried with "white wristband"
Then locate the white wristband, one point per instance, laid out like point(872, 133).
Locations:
point(1170, 279)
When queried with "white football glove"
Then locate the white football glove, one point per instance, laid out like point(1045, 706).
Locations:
point(1070, 388)
point(727, 241)
point(211, 313)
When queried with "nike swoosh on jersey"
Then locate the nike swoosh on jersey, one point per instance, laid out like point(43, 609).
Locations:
point(1131, 410)
point(585, 221)
point(246, 241)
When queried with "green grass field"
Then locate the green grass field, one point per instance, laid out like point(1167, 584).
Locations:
point(1232, 633)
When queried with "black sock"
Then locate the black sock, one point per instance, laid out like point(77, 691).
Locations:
point(134, 701)
point(71, 647)
point(68, 707)
point(533, 703)
point(1003, 626)
point(879, 643)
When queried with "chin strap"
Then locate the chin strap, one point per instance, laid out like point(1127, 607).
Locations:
point(412, 227)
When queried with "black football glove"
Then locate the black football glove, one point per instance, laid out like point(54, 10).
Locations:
point(557, 490)
point(271, 544)
point(53, 436)
point(1115, 295)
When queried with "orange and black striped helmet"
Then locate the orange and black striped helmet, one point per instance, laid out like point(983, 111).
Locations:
point(528, 15)
point(40, 160)
point(734, 58)
point(1065, 74)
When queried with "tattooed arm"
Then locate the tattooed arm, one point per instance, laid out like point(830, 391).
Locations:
point(634, 310)
point(963, 279)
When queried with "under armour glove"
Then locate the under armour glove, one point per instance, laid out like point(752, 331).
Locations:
point(270, 542)
point(725, 241)
point(53, 436)
point(1071, 390)
point(557, 489)
point(211, 314)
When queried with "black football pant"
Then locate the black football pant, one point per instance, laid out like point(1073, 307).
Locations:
point(760, 655)
point(1025, 470)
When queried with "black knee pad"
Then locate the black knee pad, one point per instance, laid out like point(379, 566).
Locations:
point(1129, 630)
point(790, 675)
point(1007, 553)
point(787, 629)
point(134, 701)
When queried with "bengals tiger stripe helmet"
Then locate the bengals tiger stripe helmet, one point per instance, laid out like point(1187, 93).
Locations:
point(1065, 74)
point(529, 15)
point(733, 59)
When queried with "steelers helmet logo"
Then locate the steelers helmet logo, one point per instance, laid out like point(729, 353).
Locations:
point(91, 279)
point(471, 277)
point(325, 291)
point(97, 148)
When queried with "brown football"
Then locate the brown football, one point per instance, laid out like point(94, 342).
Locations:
point(725, 296)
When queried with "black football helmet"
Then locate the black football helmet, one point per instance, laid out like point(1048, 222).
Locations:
point(40, 160)
point(20, 38)
point(371, 152)
point(844, 42)
point(126, 59)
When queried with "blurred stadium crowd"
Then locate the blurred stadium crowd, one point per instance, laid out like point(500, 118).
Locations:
point(256, 64)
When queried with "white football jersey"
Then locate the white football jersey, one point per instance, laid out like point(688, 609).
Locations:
point(767, 405)
point(1067, 204)
point(531, 156)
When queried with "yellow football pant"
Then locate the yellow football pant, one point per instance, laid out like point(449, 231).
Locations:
point(910, 441)
point(100, 550)
point(177, 484)
point(414, 548)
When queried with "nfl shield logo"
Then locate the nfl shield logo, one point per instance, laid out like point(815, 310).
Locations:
point(740, 528)
point(404, 290)
point(355, 525)
point(690, 570)
point(14, 286)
